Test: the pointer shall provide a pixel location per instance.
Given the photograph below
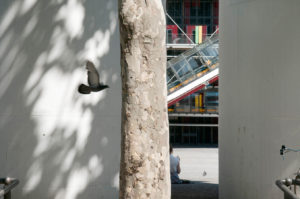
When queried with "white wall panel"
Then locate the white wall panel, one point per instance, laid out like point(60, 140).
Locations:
point(60, 144)
point(259, 96)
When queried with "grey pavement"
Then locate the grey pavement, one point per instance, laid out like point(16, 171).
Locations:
point(201, 166)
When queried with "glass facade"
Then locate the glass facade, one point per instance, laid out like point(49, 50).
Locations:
point(198, 19)
point(204, 101)
point(175, 10)
point(193, 131)
point(194, 12)
point(192, 64)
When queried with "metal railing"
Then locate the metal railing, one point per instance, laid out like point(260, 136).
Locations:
point(8, 185)
point(285, 150)
point(285, 186)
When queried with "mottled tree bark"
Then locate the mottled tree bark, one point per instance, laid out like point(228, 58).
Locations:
point(144, 171)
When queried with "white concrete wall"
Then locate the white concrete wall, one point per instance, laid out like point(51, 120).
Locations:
point(59, 144)
point(259, 96)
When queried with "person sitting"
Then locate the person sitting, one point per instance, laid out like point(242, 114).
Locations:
point(174, 167)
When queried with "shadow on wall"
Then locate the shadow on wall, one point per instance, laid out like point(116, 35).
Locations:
point(60, 144)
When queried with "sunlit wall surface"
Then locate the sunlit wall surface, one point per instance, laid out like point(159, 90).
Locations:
point(259, 96)
point(60, 144)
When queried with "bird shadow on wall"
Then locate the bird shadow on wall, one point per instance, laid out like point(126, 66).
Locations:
point(59, 143)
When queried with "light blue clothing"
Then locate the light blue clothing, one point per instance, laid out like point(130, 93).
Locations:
point(175, 178)
point(174, 162)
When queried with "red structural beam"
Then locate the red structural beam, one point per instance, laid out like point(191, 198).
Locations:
point(212, 80)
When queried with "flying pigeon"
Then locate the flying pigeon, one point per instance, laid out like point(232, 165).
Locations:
point(93, 80)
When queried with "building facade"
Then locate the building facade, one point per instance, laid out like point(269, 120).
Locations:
point(194, 119)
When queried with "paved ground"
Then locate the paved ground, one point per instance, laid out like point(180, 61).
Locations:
point(200, 165)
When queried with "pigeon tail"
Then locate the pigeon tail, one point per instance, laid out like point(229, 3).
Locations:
point(98, 88)
point(102, 87)
point(84, 89)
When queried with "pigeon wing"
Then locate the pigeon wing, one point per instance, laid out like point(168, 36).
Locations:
point(84, 89)
point(93, 75)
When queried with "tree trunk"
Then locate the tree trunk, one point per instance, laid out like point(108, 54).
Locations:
point(144, 169)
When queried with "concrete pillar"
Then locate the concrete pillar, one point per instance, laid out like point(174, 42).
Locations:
point(259, 96)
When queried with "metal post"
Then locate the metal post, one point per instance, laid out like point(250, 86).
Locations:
point(9, 184)
point(282, 184)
